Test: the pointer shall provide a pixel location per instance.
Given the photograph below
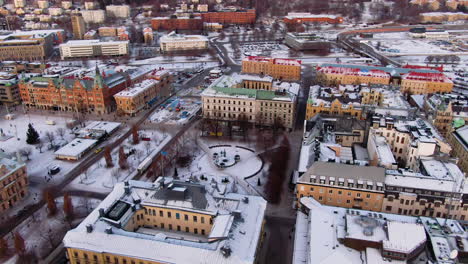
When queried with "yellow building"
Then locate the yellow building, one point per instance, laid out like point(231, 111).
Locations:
point(78, 26)
point(236, 97)
point(440, 17)
point(343, 75)
point(133, 99)
point(284, 69)
point(336, 184)
point(458, 139)
point(13, 181)
point(425, 83)
point(169, 222)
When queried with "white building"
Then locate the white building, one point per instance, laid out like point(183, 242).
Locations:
point(93, 16)
point(177, 42)
point(329, 235)
point(75, 149)
point(67, 4)
point(55, 11)
point(19, 3)
point(43, 4)
point(121, 11)
point(90, 48)
point(90, 5)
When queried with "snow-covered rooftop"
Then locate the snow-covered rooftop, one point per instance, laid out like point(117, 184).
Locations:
point(76, 147)
point(137, 88)
point(238, 221)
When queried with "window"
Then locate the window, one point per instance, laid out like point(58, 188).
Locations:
point(162, 225)
point(186, 217)
point(169, 214)
point(195, 218)
point(195, 230)
point(187, 229)
point(368, 196)
point(202, 219)
point(177, 216)
point(161, 213)
point(203, 231)
point(330, 191)
point(388, 208)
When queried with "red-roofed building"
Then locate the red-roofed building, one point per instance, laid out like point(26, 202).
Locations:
point(425, 83)
point(230, 17)
point(408, 66)
point(298, 18)
point(284, 69)
point(342, 75)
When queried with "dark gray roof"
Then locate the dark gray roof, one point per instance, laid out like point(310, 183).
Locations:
point(183, 191)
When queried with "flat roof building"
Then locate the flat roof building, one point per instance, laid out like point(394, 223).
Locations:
point(75, 149)
point(92, 48)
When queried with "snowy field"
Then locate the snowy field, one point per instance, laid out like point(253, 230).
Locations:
point(40, 230)
point(417, 46)
point(40, 159)
point(101, 179)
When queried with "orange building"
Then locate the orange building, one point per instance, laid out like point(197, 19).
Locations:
point(13, 181)
point(284, 69)
point(230, 17)
point(169, 23)
point(425, 83)
point(86, 94)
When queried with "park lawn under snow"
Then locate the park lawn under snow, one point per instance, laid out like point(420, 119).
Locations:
point(38, 162)
point(99, 178)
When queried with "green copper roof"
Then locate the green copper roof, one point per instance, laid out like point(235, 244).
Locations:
point(458, 122)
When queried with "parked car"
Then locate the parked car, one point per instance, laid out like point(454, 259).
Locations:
point(54, 170)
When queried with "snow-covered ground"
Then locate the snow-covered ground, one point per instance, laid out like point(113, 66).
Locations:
point(101, 179)
point(417, 46)
point(169, 114)
point(40, 159)
point(40, 230)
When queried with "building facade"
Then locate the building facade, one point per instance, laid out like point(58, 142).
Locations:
point(133, 99)
point(335, 184)
point(93, 95)
point(283, 69)
point(297, 18)
point(24, 45)
point(120, 11)
point(92, 48)
point(426, 83)
point(458, 139)
point(243, 16)
point(226, 99)
point(177, 23)
point(135, 222)
point(178, 42)
point(13, 181)
point(9, 92)
point(78, 26)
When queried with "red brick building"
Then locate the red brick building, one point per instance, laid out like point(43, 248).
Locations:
point(167, 23)
point(230, 17)
point(93, 95)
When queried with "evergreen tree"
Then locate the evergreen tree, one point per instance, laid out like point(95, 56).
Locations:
point(32, 137)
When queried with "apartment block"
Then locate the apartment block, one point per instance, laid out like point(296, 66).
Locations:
point(13, 181)
point(9, 92)
point(143, 94)
point(120, 11)
point(230, 16)
point(409, 140)
point(78, 26)
point(328, 234)
point(335, 184)
point(283, 69)
point(436, 191)
point(458, 139)
point(28, 45)
point(177, 23)
point(426, 83)
point(181, 222)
